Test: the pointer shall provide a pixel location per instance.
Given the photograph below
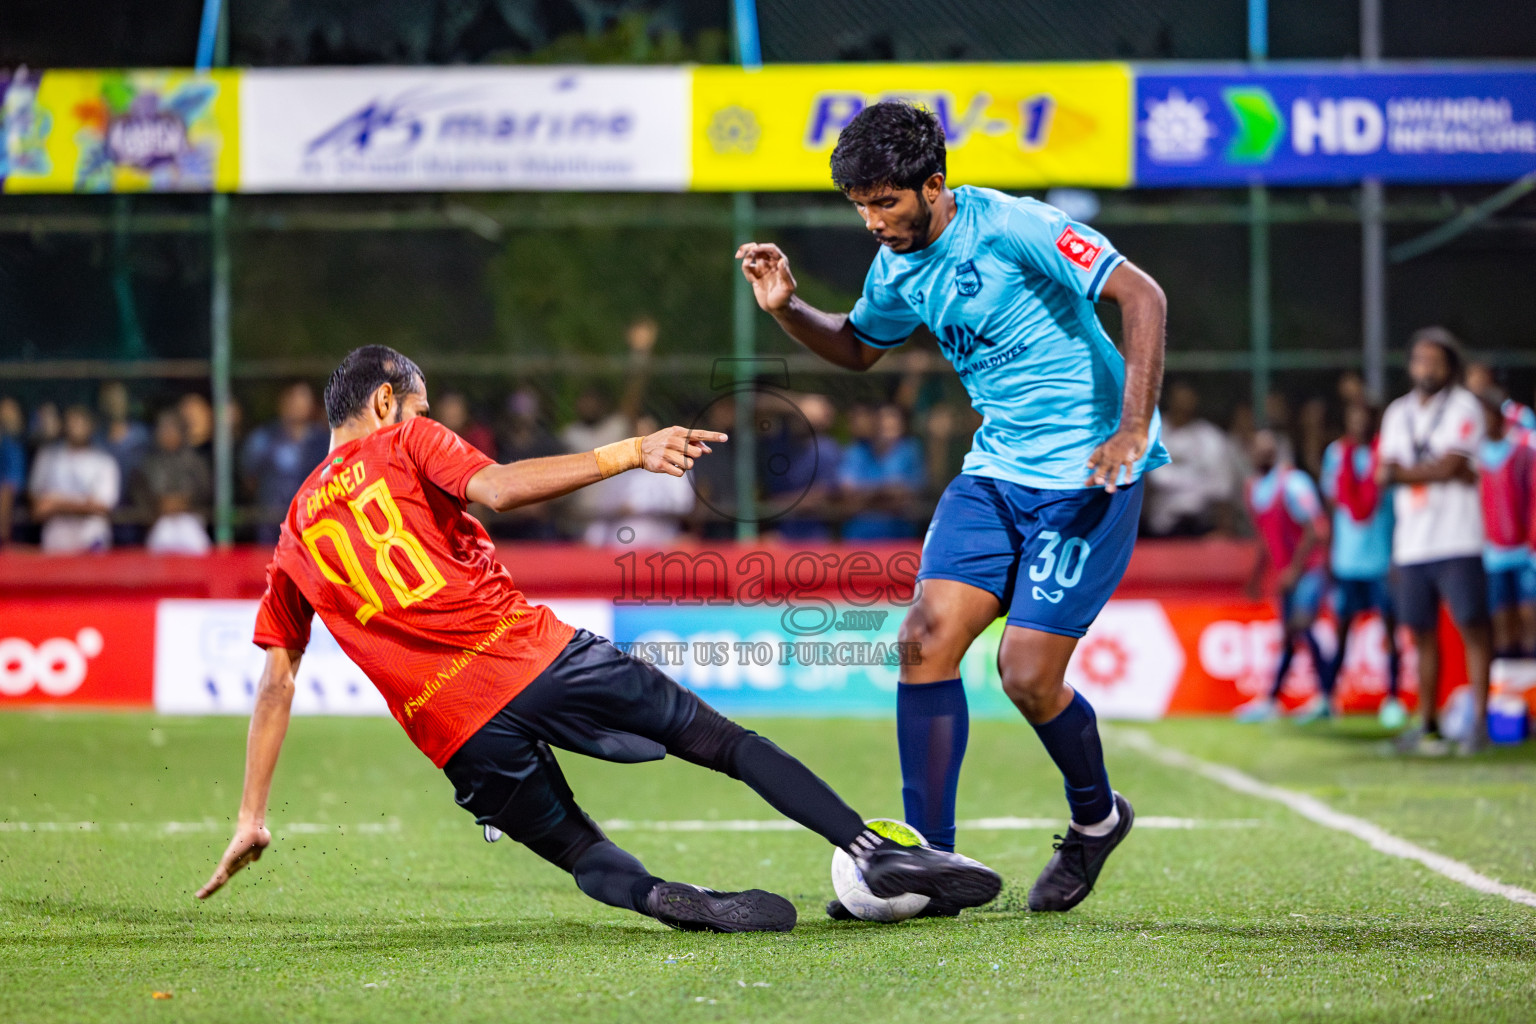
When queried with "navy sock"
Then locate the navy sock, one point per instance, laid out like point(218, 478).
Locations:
point(932, 726)
point(1316, 651)
point(1394, 662)
point(1072, 740)
point(1287, 652)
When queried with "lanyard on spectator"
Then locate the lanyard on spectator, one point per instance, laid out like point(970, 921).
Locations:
point(1421, 447)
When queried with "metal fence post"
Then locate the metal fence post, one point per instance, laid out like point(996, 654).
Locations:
point(744, 347)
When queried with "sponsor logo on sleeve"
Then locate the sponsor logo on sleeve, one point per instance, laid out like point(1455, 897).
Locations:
point(1078, 249)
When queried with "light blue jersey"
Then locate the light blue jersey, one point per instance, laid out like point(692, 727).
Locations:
point(1008, 289)
point(1360, 551)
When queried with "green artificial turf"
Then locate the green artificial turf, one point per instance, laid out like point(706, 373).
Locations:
point(393, 909)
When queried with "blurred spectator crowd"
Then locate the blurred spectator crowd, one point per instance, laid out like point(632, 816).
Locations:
point(87, 478)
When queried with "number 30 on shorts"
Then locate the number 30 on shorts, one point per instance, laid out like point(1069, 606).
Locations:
point(1067, 564)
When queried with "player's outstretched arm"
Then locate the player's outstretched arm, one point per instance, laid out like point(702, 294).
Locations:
point(829, 335)
point(670, 450)
point(269, 724)
point(1144, 316)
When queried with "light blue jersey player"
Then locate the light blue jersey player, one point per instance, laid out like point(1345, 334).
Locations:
point(1040, 524)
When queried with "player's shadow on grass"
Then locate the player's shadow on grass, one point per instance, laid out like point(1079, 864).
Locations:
point(53, 926)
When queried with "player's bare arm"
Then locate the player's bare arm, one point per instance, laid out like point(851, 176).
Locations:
point(1144, 319)
point(671, 450)
point(829, 335)
point(269, 724)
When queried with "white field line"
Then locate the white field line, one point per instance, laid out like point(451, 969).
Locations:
point(1315, 810)
point(613, 825)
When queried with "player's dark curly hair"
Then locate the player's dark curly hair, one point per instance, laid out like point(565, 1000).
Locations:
point(360, 375)
point(889, 143)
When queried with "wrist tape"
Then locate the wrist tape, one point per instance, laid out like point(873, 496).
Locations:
point(617, 457)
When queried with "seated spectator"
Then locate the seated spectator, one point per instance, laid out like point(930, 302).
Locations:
point(47, 428)
point(171, 490)
point(452, 411)
point(714, 479)
point(74, 487)
point(1185, 497)
point(523, 435)
point(127, 441)
point(801, 470)
point(120, 436)
point(197, 424)
point(648, 507)
point(881, 479)
point(278, 456)
point(13, 464)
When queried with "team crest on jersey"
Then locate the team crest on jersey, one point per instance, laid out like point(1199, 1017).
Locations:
point(1078, 249)
point(967, 279)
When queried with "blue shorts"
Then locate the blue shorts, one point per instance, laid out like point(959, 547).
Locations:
point(1305, 599)
point(1052, 558)
point(1353, 597)
point(1510, 588)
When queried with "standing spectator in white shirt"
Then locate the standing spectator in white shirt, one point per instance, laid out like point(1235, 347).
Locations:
point(1184, 498)
point(1429, 441)
point(74, 487)
point(645, 514)
point(599, 423)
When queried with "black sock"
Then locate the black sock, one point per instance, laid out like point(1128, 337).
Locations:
point(614, 876)
point(795, 791)
point(1072, 740)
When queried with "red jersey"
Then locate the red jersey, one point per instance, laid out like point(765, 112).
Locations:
point(1282, 503)
point(1506, 478)
point(379, 542)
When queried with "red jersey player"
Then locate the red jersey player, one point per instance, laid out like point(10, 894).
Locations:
point(1286, 511)
point(378, 542)
point(1506, 467)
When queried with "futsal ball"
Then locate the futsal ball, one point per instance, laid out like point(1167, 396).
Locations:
point(848, 880)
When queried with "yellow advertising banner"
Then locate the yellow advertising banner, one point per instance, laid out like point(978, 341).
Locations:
point(1007, 125)
point(121, 131)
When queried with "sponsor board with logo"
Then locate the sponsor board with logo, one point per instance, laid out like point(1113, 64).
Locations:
point(205, 663)
point(76, 652)
point(1326, 126)
point(1142, 659)
point(119, 131)
point(1006, 125)
point(468, 129)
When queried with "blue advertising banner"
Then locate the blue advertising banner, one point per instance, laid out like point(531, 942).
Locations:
point(1330, 127)
point(813, 659)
